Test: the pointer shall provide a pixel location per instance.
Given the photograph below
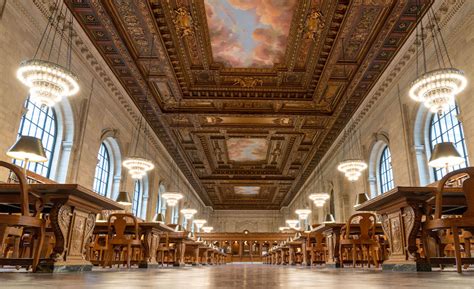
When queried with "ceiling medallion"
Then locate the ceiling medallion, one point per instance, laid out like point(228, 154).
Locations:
point(49, 81)
point(319, 199)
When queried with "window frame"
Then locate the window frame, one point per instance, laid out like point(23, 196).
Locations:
point(446, 127)
point(385, 171)
point(48, 115)
point(137, 198)
point(108, 175)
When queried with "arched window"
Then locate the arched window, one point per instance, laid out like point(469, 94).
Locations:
point(161, 204)
point(137, 198)
point(40, 122)
point(385, 171)
point(175, 215)
point(447, 128)
point(102, 172)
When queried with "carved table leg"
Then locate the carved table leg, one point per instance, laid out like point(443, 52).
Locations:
point(401, 229)
point(72, 229)
point(332, 241)
point(150, 245)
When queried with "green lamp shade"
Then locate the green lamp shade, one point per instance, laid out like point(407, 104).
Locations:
point(123, 198)
point(360, 199)
point(445, 155)
point(28, 148)
point(159, 218)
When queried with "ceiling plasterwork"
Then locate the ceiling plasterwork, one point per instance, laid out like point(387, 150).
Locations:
point(264, 120)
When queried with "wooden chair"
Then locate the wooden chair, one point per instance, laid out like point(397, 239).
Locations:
point(163, 250)
point(363, 244)
point(31, 223)
point(120, 239)
point(318, 251)
point(456, 225)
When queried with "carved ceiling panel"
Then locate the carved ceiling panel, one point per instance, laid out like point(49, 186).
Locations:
point(253, 105)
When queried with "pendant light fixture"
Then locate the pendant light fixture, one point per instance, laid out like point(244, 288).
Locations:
point(293, 224)
point(303, 214)
point(137, 166)
point(188, 213)
point(207, 229)
point(353, 165)
point(436, 88)
point(318, 198)
point(172, 198)
point(48, 79)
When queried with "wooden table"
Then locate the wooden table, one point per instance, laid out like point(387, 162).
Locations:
point(72, 211)
point(332, 233)
point(401, 210)
point(181, 240)
point(150, 234)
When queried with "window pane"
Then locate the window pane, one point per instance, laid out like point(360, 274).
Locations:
point(137, 198)
point(447, 128)
point(102, 172)
point(40, 122)
point(385, 171)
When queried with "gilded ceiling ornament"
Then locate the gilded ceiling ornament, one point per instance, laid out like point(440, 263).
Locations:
point(314, 24)
point(247, 82)
point(183, 22)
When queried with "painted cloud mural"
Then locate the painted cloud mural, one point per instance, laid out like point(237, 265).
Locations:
point(247, 149)
point(249, 33)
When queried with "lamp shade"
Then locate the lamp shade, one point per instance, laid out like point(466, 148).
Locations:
point(360, 199)
point(159, 218)
point(28, 148)
point(329, 218)
point(445, 155)
point(123, 198)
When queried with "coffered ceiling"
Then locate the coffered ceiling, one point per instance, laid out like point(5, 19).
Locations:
point(247, 96)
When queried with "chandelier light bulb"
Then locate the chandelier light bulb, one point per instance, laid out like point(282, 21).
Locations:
point(199, 223)
point(438, 88)
point(48, 82)
point(172, 198)
point(293, 224)
point(138, 167)
point(352, 169)
point(188, 213)
point(303, 213)
point(207, 229)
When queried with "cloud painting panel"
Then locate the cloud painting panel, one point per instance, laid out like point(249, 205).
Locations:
point(249, 33)
point(247, 190)
point(247, 149)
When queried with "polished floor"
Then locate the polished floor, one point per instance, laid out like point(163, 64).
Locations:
point(239, 276)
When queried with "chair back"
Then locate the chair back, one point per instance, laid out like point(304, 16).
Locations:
point(24, 188)
point(366, 222)
point(467, 189)
point(117, 225)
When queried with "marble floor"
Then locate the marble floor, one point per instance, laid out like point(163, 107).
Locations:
point(239, 276)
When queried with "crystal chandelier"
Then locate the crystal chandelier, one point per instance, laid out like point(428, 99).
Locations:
point(319, 199)
point(172, 198)
point(293, 224)
point(436, 89)
point(284, 228)
point(352, 168)
point(199, 223)
point(47, 79)
point(303, 213)
point(188, 213)
point(207, 229)
point(138, 167)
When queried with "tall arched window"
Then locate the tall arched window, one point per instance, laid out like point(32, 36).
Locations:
point(385, 171)
point(137, 198)
point(39, 122)
point(175, 215)
point(102, 172)
point(447, 128)
point(161, 204)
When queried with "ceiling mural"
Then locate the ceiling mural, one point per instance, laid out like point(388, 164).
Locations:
point(248, 93)
point(247, 33)
point(247, 190)
point(247, 149)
